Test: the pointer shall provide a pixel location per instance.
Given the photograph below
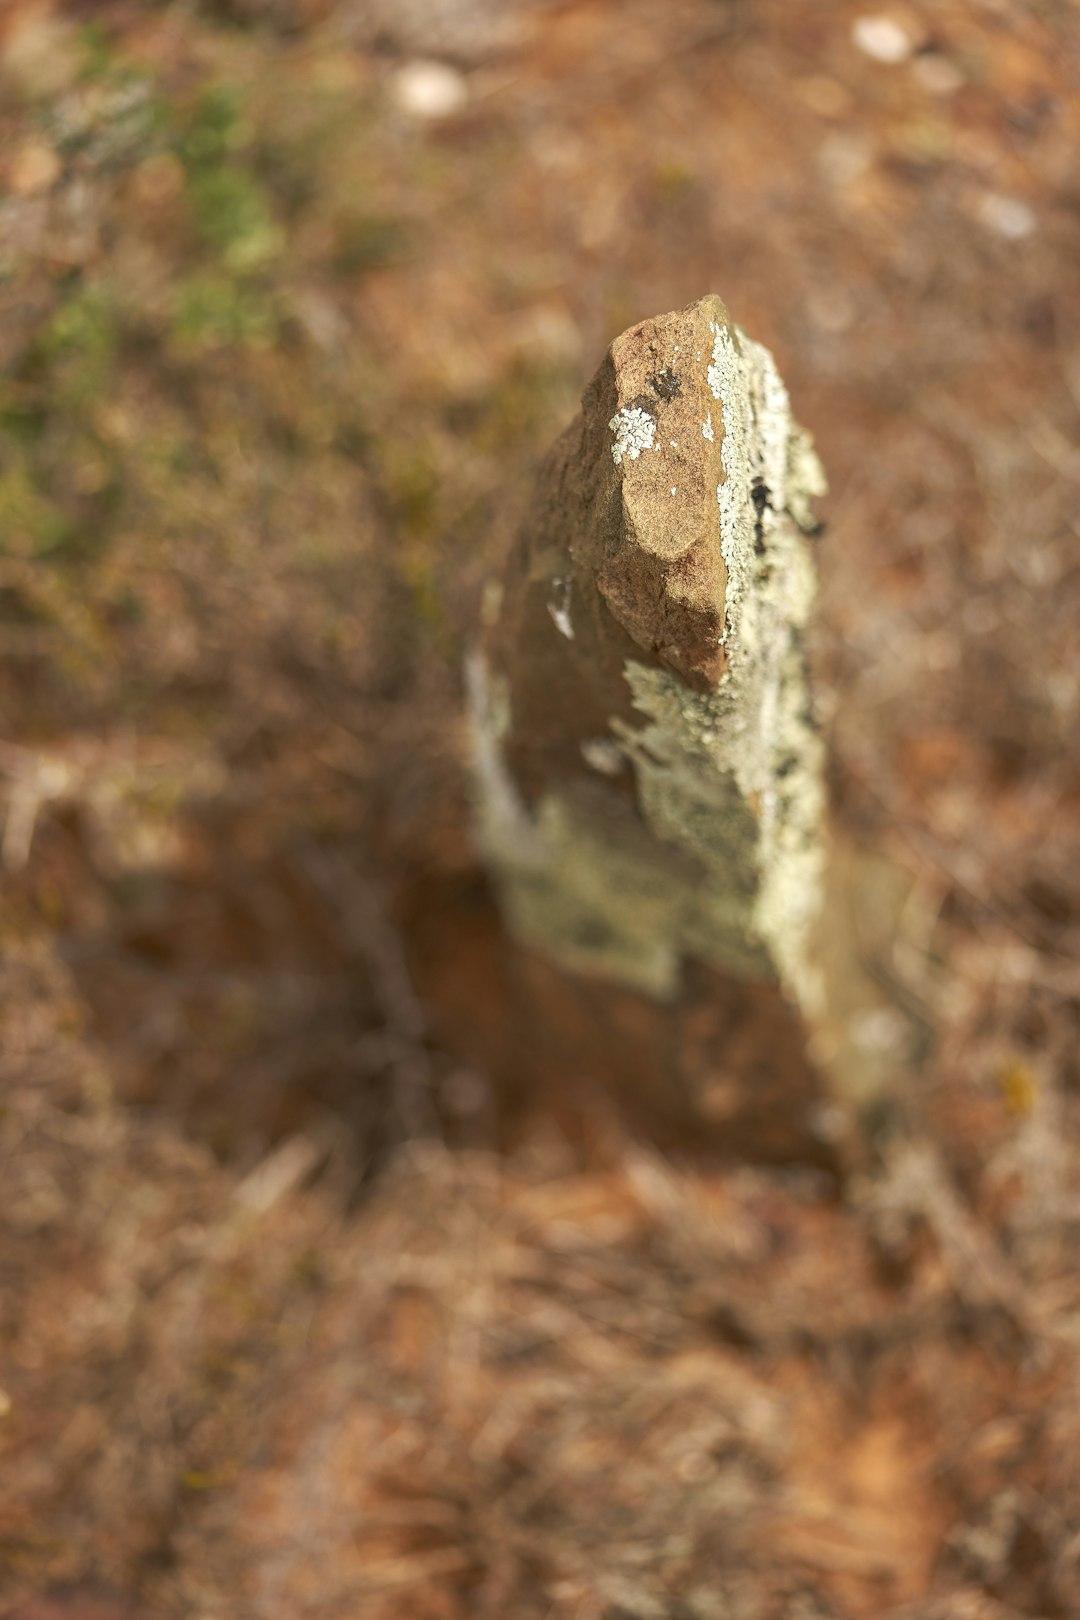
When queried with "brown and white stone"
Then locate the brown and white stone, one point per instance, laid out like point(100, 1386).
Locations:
point(649, 773)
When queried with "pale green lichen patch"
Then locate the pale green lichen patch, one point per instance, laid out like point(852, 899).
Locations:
point(605, 899)
point(805, 479)
point(601, 899)
point(764, 736)
point(747, 807)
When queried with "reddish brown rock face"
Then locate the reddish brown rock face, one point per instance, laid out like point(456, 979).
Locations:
point(662, 574)
point(620, 557)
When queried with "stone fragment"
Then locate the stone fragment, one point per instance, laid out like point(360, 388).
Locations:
point(649, 773)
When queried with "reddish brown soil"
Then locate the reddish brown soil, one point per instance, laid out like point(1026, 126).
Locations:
point(326, 1291)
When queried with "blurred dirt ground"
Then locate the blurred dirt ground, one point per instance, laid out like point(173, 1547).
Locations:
point(296, 1320)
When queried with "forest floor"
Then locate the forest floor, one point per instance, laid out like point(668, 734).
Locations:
point(299, 1318)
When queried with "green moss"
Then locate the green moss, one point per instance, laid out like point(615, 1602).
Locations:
point(231, 207)
point(29, 521)
point(212, 310)
point(233, 214)
point(22, 420)
point(369, 241)
point(83, 325)
point(214, 128)
point(97, 50)
point(73, 354)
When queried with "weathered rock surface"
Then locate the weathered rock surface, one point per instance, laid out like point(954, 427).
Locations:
point(649, 774)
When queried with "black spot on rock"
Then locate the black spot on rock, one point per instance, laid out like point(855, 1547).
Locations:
point(761, 496)
point(642, 402)
point(666, 384)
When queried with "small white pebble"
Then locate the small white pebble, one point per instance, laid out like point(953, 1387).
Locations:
point(707, 429)
point(674, 489)
point(1006, 215)
point(427, 89)
point(881, 38)
point(674, 443)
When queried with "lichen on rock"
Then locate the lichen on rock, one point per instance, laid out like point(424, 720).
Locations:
point(665, 759)
point(634, 430)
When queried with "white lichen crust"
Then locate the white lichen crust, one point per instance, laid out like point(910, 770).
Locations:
point(634, 430)
point(761, 717)
point(723, 858)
